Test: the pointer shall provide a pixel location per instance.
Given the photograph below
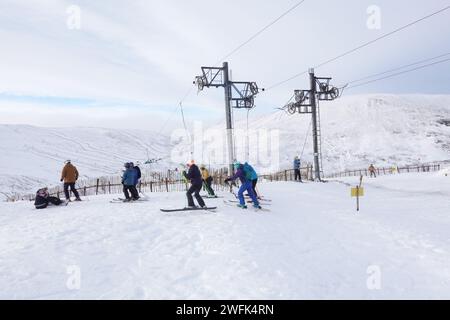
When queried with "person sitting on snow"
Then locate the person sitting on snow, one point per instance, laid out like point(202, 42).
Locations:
point(246, 185)
point(43, 199)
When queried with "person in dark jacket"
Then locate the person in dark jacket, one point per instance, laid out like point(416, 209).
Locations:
point(372, 171)
point(246, 185)
point(129, 181)
point(138, 171)
point(195, 177)
point(43, 199)
point(297, 173)
point(138, 176)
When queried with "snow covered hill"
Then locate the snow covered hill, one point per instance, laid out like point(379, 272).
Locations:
point(32, 157)
point(359, 130)
point(310, 246)
point(356, 131)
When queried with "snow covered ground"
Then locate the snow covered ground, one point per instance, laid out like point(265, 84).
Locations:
point(311, 245)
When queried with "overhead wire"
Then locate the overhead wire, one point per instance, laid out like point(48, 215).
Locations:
point(261, 31)
point(346, 53)
point(397, 68)
point(398, 73)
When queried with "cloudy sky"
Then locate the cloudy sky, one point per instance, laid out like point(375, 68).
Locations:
point(130, 62)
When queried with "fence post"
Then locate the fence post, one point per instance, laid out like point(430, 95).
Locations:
point(109, 187)
point(84, 191)
point(167, 185)
point(96, 188)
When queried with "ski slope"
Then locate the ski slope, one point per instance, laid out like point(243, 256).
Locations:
point(312, 245)
point(356, 130)
point(33, 157)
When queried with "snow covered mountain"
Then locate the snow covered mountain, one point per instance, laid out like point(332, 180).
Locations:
point(359, 130)
point(355, 131)
point(32, 157)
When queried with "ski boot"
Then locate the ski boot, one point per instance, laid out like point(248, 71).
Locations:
point(242, 206)
point(257, 206)
point(126, 200)
point(78, 199)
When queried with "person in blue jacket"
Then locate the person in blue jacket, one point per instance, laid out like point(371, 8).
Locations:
point(297, 174)
point(195, 177)
point(246, 185)
point(252, 175)
point(129, 178)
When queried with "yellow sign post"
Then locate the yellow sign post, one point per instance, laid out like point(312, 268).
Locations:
point(358, 192)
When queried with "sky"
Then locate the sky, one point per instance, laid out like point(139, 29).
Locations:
point(127, 64)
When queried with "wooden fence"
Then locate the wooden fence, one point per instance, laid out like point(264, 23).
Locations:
point(169, 181)
point(430, 167)
point(288, 175)
point(172, 180)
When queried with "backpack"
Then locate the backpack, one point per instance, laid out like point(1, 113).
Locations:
point(249, 172)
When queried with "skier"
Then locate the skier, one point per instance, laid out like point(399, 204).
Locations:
point(69, 175)
point(129, 181)
point(252, 176)
point(207, 181)
point(195, 177)
point(138, 176)
point(43, 199)
point(246, 185)
point(297, 173)
point(372, 171)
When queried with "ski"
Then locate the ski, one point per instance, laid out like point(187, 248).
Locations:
point(122, 201)
point(259, 199)
point(234, 203)
point(249, 201)
point(189, 209)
